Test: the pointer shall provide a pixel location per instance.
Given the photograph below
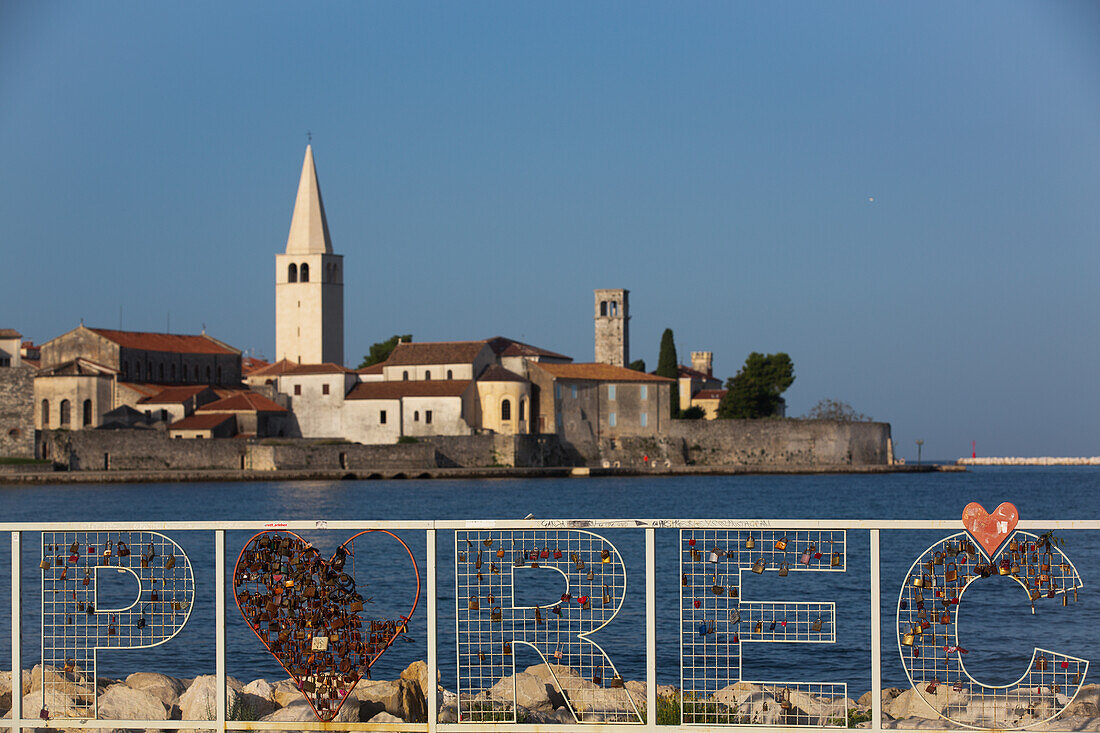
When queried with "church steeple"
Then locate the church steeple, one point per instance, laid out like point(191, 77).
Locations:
point(308, 227)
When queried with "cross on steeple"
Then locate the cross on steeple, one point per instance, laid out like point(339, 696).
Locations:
point(309, 136)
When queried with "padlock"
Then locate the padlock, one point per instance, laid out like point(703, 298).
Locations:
point(538, 615)
point(588, 576)
point(507, 649)
point(605, 556)
point(606, 595)
point(597, 677)
point(730, 554)
point(785, 700)
point(1013, 545)
point(771, 626)
point(714, 555)
point(951, 574)
point(557, 554)
point(1041, 664)
point(701, 629)
point(750, 543)
point(717, 589)
point(500, 552)
point(816, 626)
point(733, 591)
point(758, 628)
point(920, 581)
point(45, 564)
point(931, 688)
point(784, 568)
point(577, 562)
point(462, 557)
point(758, 566)
point(1005, 566)
point(937, 559)
point(734, 616)
point(615, 682)
point(806, 555)
point(477, 563)
point(488, 542)
point(556, 610)
point(781, 544)
point(908, 638)
point(87, 578)
point(474, 605)
point(945, 618)
point(169, 562)
point(123, 549)
point(835, 561)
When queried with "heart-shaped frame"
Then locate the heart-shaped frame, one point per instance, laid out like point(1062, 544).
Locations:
point(306, 612)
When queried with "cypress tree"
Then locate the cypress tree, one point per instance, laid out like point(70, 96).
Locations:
point(668, 365)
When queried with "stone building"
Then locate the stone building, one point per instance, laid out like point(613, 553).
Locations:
point(309, 282)
point(586, 403)
point(88, 372)
point(16, 398)
point(613, 327)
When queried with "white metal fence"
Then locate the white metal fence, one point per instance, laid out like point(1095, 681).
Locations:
point(577, 550)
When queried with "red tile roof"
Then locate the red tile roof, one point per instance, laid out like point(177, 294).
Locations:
point(709, 394)
point(175, 343)
point(272, 370)
point(502, 346)
point(372, 369)
point(326, 368)
point(10, 333)
point(242, 402)
point(250, 364)
point(203, 421)
point(598, 373)
point(173, 395)
point(686, 371)
point(397, 390)
point(440, 352)
point(142, 388)
point(494, 373)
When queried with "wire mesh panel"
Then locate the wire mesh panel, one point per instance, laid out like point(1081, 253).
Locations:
point(79, 617)
point(547, 589)
point(716, 620)
point(928, 637)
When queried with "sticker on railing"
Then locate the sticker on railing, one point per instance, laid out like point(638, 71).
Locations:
point(84, 609)
point(928, 615)
point(308, 612)
point(717, 620)
point(549, 590)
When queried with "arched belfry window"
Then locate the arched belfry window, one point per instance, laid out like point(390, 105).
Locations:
point(304, 272)
point(87, 416)
point(614, 308)
point(292, 273)
point(603, 307)
point(506, 410)
point(45, 413)
point(64, 413)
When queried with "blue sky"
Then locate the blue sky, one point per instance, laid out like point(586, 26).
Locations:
point(485, 166)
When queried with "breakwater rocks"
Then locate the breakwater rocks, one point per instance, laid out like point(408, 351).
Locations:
point(1035, 461)
point(152, 696)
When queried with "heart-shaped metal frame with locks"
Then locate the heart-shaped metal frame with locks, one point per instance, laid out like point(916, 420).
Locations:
point(306, 611)
point(928, 619)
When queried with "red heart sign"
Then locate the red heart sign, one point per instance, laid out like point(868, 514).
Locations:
point(307, 612)
point(990, 530)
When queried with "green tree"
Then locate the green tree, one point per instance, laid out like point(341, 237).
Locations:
point(695, 412)
point(828, 409)
point(755, 390)
point(668, 365)
point(638, 365)
point(381, 351)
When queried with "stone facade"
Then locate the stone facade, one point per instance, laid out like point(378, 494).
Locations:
point(782, 442)
point(613, 327)
point(17, 412)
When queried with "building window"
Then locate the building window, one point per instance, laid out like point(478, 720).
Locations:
point(645, 419)
point(522, 405)
point(382, 417)
point(450, 374)
point(643, 392)
point(64, 413)
point(148, 372)
point(557, 391)
point(611, 391)
point(574, 391)
point(603, 307)
point(87, 413)
point(614, 308)
point(611, 419)
point(428, 416)
point(292, 273)
point(45, 413)
point(428, 375)
point(297, 389)
point(416, 416)
point(405, 375)
point(164, 415)
point(304, 271)
point(506, 410)
point(324, 389)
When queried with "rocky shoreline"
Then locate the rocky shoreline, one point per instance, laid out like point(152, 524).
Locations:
point(153, 696)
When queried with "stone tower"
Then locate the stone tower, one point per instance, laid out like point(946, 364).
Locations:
point(613, 327)
point(309, 282)
point(703, 361)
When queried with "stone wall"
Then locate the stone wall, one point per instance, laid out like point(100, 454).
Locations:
point(17, 412)
point(351, 457)
point(467, 450)
point(782, 442)
point(128, 450)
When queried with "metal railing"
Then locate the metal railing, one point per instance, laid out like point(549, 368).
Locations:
point(541, 533)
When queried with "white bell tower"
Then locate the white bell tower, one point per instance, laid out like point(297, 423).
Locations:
point(309, 282)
